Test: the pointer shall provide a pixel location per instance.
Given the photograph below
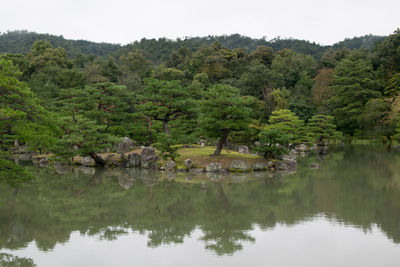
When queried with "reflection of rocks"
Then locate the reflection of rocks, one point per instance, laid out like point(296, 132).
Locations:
point(238, 166)
point(87, 162)
point(170, 166)
point(214, 167)
point(214, 176)
point(314, 165)
point(61, 167)
point(196, 170)
point(126, 182)
point(237, 178)
point(133, 160)
point(85, 170)
point(170, 175)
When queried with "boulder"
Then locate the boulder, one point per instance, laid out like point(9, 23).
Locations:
point(133, 160)
point(43, 162)
point(243, 149)
point(87, 162)
point(259, 166)
point(125, 145)
point(148, 158)
point(286, 165)
point(301, 148)
point(214, 167)
point(188, 163)
point(170, 165)
point(238, 166)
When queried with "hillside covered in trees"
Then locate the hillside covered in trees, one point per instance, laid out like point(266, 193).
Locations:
point(159, 50)
point(79, 98)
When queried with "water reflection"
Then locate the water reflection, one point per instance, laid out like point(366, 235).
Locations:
point(355, 186)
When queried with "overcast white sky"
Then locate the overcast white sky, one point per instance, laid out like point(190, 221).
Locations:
point(124, 21)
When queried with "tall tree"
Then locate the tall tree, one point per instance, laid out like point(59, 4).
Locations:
point(224, 111)
point(164, 101)
point(354, 85)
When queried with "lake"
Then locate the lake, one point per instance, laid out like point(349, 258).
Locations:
point(346, 213)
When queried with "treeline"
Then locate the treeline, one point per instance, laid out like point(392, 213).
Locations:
point(159, 50)
point(82, 104)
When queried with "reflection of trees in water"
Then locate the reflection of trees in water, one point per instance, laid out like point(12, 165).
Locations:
point(8, 260)
point(358, 187)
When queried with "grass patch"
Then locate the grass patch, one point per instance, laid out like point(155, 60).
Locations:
point(201, 156)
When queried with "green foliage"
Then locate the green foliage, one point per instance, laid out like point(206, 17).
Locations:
point(12, 174)
point(289, 124)
point(273, 142)
point(80, 136)
point(224, 111)
point(167, 146)
point(164, 101)
point(321, 128)
point(354, 85)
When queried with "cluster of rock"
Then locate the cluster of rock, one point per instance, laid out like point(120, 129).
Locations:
point(148, 159)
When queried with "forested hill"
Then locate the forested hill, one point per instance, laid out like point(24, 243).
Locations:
point(20, 42)
point(159, 50)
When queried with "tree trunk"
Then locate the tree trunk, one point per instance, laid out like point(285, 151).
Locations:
point(98, 159)
point(221, 142)
point(165, 125)
point(389, 139)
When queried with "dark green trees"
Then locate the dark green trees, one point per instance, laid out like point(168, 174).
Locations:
point(354, 85)
point(224, 111)
point(164, 101)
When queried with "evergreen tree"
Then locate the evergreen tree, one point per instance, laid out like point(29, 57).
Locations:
point(224, 111)
point(354, 85)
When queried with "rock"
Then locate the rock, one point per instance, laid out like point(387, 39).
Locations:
point(286, 165)
point(125, 145)
point(87, 162)
point(133, 160)
point(181, 169)
point(238, 166)
point(170, 165)
point(214, 167)
point(270, 164)
point(301, 148)
point(148, 158)
point(43, 162)
point(202, 144)
point(314, 165)
point(259, 166)
point(162, 168)
point(243, 149)
point(196, 170)
point(188, 163)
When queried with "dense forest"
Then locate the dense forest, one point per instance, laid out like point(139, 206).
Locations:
point(78, 97)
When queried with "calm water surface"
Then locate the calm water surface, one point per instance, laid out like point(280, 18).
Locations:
point(347, 213)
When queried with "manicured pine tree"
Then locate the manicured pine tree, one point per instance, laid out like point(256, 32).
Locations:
point(224, 111)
